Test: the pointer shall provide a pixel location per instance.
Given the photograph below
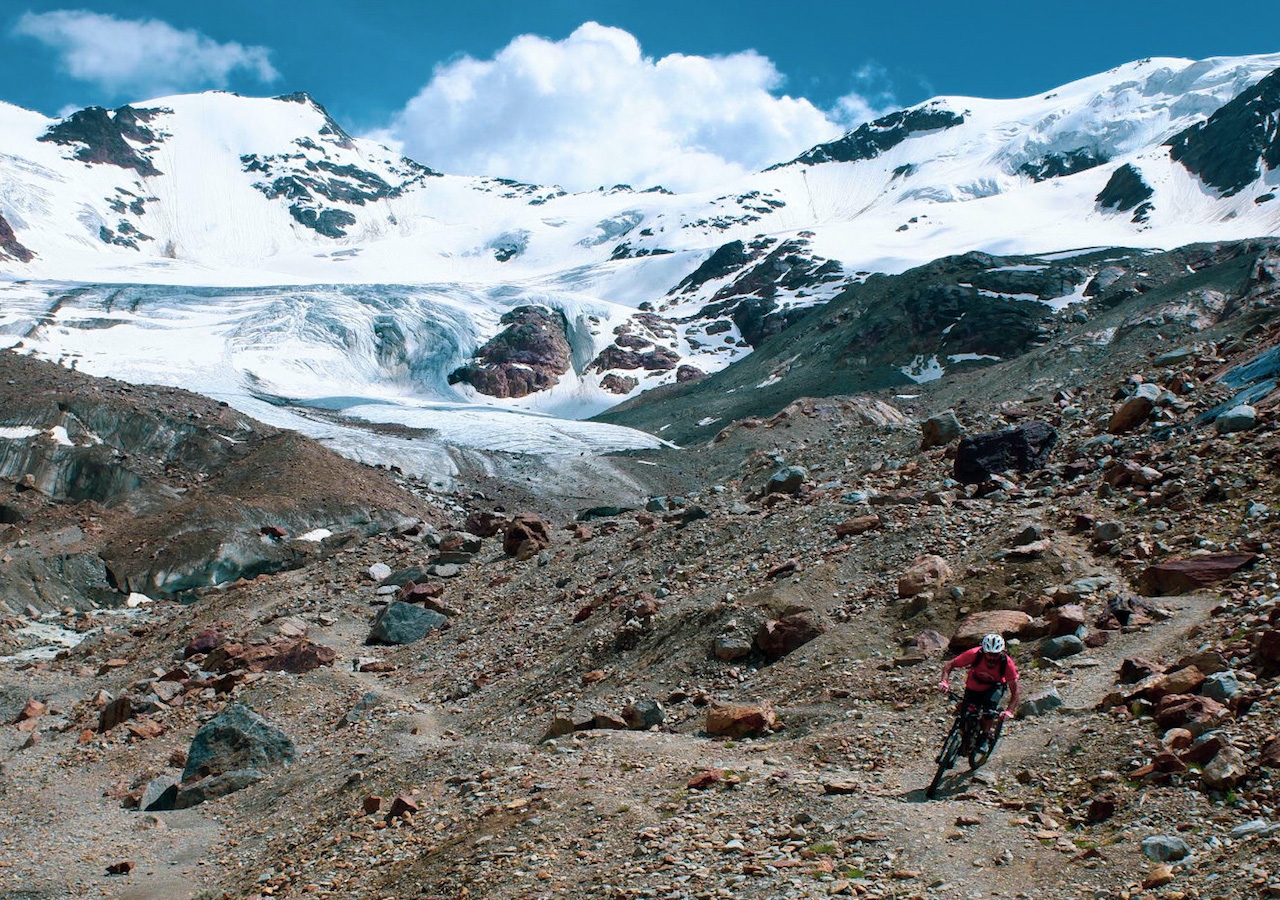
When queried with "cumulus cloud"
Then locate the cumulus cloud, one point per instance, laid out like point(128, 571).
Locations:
point(591, 110)
point(147, 56)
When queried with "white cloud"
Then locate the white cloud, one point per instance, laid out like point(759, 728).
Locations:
point(592, 110)
point(142, 55)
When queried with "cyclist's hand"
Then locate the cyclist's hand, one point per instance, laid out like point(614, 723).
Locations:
point(944, 686)
point(1006, 715)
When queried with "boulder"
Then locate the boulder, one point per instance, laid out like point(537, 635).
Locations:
point(403, 623)
point(731, 645)
point(787, 480)
point(778, 637)
point(926, 573)
point(1061, 647)
point(294, 656)
point(237, 739)
point(1181, 576)
point(1023, 449)
point(204, 642)
point(1186, 680)
point(738, 720)
point(1269, 755)
point(643, 714)
point(1238, 418)
point(940, 430)
point(1165, 848)
point(1266, 652)
point(1039, 704)
point(1005, 622)
point(525, 536)
point(1134, 411)
point(1226, 770)
point(159, 794)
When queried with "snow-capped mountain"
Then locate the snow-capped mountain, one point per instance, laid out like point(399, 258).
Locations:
point(253, 249)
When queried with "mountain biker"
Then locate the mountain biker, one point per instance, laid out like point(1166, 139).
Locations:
point(991, 668)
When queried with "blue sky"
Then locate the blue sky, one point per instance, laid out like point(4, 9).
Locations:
point(667, 91)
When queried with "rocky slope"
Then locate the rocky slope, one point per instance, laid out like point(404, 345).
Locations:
point(732, 691)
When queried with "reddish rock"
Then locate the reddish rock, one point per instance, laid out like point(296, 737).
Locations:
point(1134, 410)
point(858, 525)
point(1186, 680)
point(1006, 622)
point(525, 536)
point(1102, 807)
point(412, 592)
point(1181, 576)
point(281, 655)
point(31, 710)
point(115, 712)
point(609, 722)
point(372, 804)
point(529, 355)
point(926, 573)
point(736, 720)
point(778, 637)
point(483, 523)
point(144, 729)
point(783, 568)
point(1065, 619)
point(124, 867)
point(403, 806)
point(204, 642)
point(707, 778)
point(1196, 714)
point(274, 531)
point(1201, 753)
point(1267, 652)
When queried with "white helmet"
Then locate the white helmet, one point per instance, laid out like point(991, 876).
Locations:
point(993, 643)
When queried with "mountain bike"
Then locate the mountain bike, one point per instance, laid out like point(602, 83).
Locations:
point(967, 738)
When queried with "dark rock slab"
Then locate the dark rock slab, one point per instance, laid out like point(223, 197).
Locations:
point(1022, 449)
point(403, 623)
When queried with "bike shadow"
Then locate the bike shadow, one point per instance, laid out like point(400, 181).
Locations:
point(952, 784)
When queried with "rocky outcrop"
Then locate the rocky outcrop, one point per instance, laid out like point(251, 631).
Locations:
point(529, 355)
point(1125, 191)
point(108, 136)
point(10, 247)
point(1237, 143)
point(874, 138)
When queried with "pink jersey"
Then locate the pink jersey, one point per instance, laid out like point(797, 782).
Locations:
point(985, 674)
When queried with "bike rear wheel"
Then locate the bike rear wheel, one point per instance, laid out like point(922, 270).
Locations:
point(983, 749)
point(946, 758)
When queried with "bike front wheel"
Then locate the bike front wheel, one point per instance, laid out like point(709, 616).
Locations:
point(946, 759)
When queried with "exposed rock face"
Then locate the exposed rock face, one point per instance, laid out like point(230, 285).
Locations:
point(1237, 143)
point(529, 355)
point(1056, 165)
point(1023, 449)
point(1125, 191)
point(104, 136)
point(10, 247)
point(873, 138)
